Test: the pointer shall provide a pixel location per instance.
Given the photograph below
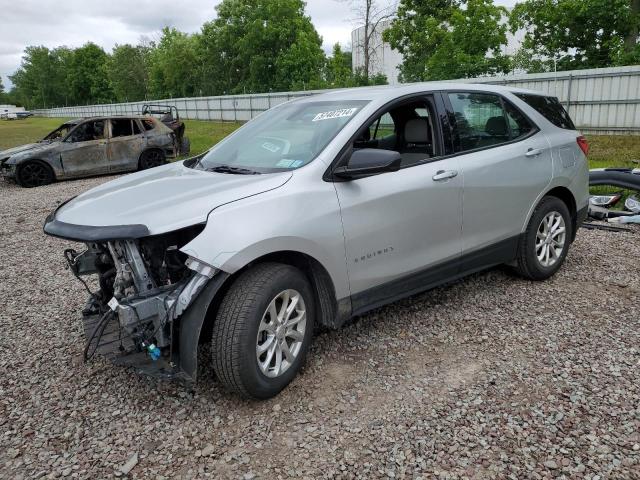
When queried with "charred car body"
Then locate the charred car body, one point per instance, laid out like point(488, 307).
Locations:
point(90, 146)
point(316, 211)
point(169, 116)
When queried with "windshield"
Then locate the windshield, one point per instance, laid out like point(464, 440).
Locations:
point(60, 132)
point(285, 138)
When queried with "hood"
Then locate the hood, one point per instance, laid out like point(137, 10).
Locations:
point(30, 147)
point(164, 198)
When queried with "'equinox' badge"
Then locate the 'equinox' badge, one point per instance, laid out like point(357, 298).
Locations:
point(373, 254)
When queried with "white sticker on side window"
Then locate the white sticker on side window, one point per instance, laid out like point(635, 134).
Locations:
point(343, 112)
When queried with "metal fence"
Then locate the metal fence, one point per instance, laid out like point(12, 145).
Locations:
point(600, 101)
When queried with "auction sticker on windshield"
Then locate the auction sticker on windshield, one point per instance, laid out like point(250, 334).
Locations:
point(343, 112)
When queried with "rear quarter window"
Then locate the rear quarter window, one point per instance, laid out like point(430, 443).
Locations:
point(550, 108)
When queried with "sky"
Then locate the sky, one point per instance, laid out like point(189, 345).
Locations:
point(53, 23)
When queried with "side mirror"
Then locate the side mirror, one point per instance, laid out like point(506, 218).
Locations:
point(369, 161)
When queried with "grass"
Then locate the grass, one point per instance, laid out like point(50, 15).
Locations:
point(614, 151)
point(29, 130)
point(204, 134)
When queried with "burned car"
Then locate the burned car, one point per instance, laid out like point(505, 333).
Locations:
point(316, 211)
point(90, 146)
point(169, 116)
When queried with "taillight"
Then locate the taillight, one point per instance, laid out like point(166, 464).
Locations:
point(583, 144)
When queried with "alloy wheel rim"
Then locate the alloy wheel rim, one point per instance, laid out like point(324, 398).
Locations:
point(34, 175)
point(550, 239)
point(281, 333)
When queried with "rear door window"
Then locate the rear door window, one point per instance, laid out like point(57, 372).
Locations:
point(550, 108)
point(484, 120)
point(121, 127)
point(479, 119)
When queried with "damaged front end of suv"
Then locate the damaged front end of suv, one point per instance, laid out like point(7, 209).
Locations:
point(145, 313)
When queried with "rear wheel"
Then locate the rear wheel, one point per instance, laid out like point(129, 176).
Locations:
point(185, 146)
point(263, 330)
point(34, 174)
point(151, 158)
point(544, 245)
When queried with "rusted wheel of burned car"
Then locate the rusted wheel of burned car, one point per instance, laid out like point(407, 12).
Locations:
point(150, 159)
point(185, 146)
point(263, 330)
point(34, 174)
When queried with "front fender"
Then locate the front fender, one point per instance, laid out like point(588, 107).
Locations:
point(190, 325)
point(41, 157)
point(304, 219)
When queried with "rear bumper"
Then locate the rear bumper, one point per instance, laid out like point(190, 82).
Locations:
point(581, 216)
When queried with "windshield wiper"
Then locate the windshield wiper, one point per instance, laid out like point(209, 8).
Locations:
point(233, 170)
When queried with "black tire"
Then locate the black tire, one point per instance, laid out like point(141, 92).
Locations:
point(528, 265)
point(151, 158)
point(185, 146)
point(34, 173)
point(236, 328)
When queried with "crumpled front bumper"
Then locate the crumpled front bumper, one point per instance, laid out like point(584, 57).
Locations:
point(182, 362)
point(8, 171)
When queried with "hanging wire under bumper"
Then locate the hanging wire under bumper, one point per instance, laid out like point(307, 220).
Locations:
point(106, 338)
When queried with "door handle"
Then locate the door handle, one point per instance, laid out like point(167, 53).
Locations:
point(444, 175)
point(533, 152)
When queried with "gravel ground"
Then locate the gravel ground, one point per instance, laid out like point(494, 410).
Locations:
point(492, 377)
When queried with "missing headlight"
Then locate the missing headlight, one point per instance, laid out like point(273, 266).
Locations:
point(145, 285)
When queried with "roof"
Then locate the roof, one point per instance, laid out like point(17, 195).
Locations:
point(103, 117)
point(389, 92)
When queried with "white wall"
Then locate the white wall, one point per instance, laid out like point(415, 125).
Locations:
point(383, 58)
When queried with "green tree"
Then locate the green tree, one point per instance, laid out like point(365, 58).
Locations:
point(173, 65)
point(87, 75)
point(258, 46)
point(41, 79)
point(445, 39)
point(338, 68)
point(127, 69)
point(339, 73)
point(579, 33)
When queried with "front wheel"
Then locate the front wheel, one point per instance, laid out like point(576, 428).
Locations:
point(544, 245)
point(151, 158)
point(34, 174)
point(263, 330)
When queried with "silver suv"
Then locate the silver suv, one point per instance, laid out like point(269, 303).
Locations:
point(317, 211)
